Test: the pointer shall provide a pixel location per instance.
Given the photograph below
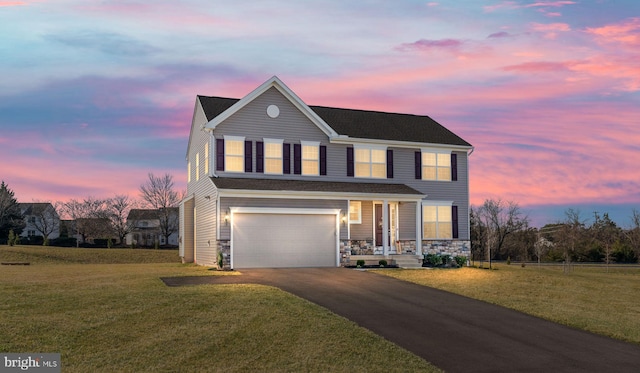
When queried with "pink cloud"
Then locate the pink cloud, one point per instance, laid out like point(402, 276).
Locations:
point(550, 30)
point(626, 32)
point(424, 44)
point(12, 3)
point(534, 67)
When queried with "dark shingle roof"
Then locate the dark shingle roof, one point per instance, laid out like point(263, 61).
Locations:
point(387, 126)
point(312, 186)
point(363, 123)
point(214, 106)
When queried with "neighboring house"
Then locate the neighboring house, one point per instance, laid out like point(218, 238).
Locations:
point(273, 182)
point(41, 219)
point(146, 227)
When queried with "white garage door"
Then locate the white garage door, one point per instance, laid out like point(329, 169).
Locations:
point(283, 240)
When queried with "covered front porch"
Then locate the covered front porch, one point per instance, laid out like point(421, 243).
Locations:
point(383, 229)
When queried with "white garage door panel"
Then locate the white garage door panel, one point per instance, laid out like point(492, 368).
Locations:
point(284, 240)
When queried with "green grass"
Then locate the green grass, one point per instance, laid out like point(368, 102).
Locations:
point(586, 298)
point(121, 318)
point(67, 255)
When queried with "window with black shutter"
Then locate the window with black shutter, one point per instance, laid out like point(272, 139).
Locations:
point(286, 158)
point(350, 163)
point(220, 154)
point(248, 156)
point(323, 159)
point(389, 164)
point(454, 167)
point(454, 221)
point(297, 159)
point(259, 156)
point(418, 169)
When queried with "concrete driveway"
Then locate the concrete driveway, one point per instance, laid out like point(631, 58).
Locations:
point(455, 333)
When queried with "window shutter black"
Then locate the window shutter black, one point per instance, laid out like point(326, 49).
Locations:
point(350, 164)
point(248, 156)
point(418, 165)
point(389, 164)
point(297, 159)
point(286, 158)
point(323, 160)
point(454, 221)
point(454, 167)
point(219, 154)
point(259, 156)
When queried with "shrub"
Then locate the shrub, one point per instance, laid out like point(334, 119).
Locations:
point(360, 263)
point(12, 237)
point(446, 259)
point(383, 263)
point(220, 259)
point(461, 260)
point(433, 260)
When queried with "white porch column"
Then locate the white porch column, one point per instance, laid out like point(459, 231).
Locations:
point(419, 227)
point(385, 227)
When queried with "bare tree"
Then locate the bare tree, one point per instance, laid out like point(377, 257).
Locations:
point(46, 219)
point(605, 233)
point(90, 217)
point(633, 233)
point(571, 235)
point(118, 209)
point(500, 220)
point(159, 193)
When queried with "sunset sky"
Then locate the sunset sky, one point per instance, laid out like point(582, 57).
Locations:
point(94, 95)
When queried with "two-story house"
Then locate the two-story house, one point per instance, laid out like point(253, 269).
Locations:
point(41, 219)
point(149, 227)
point(273, 182)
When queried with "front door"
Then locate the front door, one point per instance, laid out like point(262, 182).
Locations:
point(378, 223)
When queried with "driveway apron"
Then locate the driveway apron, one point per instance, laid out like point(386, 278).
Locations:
point(456, 333)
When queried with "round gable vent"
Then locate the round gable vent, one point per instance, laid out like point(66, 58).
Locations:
point(273, 111)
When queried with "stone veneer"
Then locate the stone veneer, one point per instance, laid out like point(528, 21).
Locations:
point(365, 247)
point(453, 248)
point(224, 247)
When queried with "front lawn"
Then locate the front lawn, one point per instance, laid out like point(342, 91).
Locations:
point(586, 298)
point(122, 318)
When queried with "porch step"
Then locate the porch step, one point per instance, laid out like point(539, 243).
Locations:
point(407, 261)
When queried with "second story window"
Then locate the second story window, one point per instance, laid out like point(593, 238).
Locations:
point(370, 162)
point(273, 156)
point(310, 158)
point(234, 154)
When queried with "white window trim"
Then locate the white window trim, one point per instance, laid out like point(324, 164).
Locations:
point(272, 141)
point(315, 144)
point(371, 163)
point(233, 138)
point(359, 220)
point(435, 204)
point(435, 151)
point(197, 166)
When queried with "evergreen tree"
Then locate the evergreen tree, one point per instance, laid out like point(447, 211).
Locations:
point(10, 214)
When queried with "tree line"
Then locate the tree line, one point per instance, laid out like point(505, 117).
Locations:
point(500, 230)
point(103, 218)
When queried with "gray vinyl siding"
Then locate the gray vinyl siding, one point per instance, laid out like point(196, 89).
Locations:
point(228, 202)
point(205, 208)
point(364, 231)
point(292, 126)
point(407, 221)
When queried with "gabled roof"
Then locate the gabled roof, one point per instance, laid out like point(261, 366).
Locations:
point(34, 208)
point(341, 123)
point(312, 186)
point(147, 214)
